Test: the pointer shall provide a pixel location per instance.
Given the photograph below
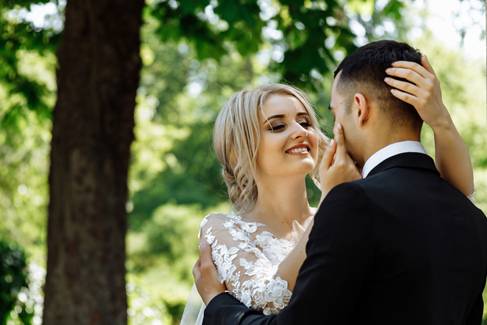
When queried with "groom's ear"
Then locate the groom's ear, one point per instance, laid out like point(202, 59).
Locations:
point(362, 108)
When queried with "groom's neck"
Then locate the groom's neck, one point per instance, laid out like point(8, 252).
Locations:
point(378, 140)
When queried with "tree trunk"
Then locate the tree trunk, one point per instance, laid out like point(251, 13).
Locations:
point(92, 132)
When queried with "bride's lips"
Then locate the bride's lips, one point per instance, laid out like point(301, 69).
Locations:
point(299, 149)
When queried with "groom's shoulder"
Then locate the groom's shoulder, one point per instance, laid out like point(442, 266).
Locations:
point(369, 187)
point(345, 204)
point(361, 193)
point(351, 193)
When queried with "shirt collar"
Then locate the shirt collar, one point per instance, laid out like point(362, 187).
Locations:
point(389, 151)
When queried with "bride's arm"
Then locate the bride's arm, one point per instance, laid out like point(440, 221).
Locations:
point(246, 271)
point(452, 157)
point(289, 268)
point(424, 94)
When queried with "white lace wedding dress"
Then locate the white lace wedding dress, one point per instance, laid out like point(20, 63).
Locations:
point(246, 256)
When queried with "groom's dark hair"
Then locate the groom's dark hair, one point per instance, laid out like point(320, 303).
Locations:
point(364, 71)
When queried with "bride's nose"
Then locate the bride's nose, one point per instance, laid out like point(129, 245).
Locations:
point(299, 131)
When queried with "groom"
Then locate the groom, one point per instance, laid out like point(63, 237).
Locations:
point(400, 246)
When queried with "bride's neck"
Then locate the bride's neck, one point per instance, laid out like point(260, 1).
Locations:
point(281, 203)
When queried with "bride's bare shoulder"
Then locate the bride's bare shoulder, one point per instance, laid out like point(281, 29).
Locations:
point(217, 215)
point(214, 218)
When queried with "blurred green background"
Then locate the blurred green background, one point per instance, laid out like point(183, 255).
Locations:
point(174, 178)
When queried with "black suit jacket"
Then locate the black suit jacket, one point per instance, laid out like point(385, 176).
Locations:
point(401, 246)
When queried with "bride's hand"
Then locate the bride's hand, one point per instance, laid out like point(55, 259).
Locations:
point(422, 91)
point(336, 167)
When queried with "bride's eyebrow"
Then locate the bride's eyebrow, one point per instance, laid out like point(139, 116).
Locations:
point(275, 116)
point(282, 115)
point(268, 119)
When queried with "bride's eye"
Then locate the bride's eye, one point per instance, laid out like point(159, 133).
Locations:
point(305, 124)
point(276, 127)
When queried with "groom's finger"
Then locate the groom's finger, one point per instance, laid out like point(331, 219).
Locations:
point(206, 262)
point(196, 270)
point(205, 249)
point(327, 159)
point(341, 150)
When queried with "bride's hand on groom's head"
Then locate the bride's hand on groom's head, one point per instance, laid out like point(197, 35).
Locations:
point(336, 166)
point(423, 90)
point(205, 275)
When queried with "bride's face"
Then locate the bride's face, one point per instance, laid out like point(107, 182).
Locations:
point(288, 143)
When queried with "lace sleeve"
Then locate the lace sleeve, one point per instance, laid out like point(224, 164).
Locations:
point(246, 271)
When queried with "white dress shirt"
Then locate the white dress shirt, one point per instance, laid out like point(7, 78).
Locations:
point(389, 151)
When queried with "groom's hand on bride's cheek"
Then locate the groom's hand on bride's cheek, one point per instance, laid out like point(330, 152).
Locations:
point(205, 275)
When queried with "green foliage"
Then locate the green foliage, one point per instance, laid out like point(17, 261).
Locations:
point(312, 32)
point(170, 235)
point(238, 23)
point(23, 176)
point(376, 18)
point(13, 278)
point(160, 260)
point(16, 36)
point(164, 74)
point(11, 4)
point(23, 185)
point(168, 230)
point(307, 31)
point(176, 24)
point(393, 9)
point(190, 157)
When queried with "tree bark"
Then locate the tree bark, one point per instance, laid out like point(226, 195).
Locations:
point(97, 77)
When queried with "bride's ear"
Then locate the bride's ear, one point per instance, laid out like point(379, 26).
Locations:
point(361, 108)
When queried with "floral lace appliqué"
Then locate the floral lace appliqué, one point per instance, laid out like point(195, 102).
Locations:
point(247, 258)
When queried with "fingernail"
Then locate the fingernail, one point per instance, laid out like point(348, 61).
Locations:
point(388, 70)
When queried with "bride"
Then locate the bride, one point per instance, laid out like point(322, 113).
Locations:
point(267, 140)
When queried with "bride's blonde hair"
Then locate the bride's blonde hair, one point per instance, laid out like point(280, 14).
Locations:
point(236, 138)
